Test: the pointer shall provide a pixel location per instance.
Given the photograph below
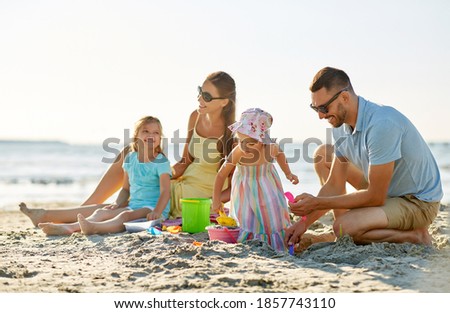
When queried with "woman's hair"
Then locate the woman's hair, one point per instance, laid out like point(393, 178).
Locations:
point(226, 87)
point(139, 124)
point(330, 78)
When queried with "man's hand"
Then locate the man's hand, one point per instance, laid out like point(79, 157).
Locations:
point(294, 233)
point(304, 204)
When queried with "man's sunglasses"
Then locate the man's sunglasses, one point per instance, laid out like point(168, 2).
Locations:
point(206, 95)
point(324, 107)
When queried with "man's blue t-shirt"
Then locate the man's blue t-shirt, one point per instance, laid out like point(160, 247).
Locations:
point(144, 181)
point(382, 135)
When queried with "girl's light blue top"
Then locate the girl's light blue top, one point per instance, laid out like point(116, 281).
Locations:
point(144, 180)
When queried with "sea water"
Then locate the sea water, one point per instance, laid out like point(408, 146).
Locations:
point(57, 172)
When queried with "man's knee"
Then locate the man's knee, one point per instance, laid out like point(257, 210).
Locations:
point(337, 228)
point(323, 157)
point(323, 154)
point(339, 212)
point(345, 226)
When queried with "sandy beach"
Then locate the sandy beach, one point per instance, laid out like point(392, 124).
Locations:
point(140, 262)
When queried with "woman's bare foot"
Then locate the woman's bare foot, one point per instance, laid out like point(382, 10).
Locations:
point(59, 229)
point(36, 215)
point(86, 227)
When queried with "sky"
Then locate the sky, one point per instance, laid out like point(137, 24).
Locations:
point(84, 71)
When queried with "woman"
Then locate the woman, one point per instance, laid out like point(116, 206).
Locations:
point(209, 141)
point(193, 176)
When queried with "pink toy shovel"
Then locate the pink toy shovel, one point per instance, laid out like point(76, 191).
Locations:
point(291, 199)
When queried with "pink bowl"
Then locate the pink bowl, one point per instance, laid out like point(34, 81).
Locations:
point(229, 235)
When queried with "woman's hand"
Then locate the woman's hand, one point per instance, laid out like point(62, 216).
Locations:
point(111, 206)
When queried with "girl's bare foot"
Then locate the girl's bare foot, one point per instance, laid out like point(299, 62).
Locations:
point(36, 215)
point(86, 227)
point(59, 229)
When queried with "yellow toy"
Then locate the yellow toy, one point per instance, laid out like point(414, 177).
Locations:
point(225, 220)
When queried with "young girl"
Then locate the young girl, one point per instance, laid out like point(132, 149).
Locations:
point(145, 191)
point(208, 142)
point(257, 198)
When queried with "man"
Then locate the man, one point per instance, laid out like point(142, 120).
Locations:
point(380, 153)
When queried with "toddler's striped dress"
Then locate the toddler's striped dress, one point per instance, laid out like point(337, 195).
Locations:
point(258, 203)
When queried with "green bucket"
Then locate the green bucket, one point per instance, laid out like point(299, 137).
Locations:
point(195, 214)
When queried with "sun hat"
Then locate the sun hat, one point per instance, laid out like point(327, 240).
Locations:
point(254, 123)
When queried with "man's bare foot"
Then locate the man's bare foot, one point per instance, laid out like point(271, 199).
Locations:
point(59, 229)
point(36, 215)
point(86, 227)
point(309, 239)
point(423, 236)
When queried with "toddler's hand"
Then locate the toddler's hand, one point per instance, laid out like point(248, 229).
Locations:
point(216, 208)
point(292, 178)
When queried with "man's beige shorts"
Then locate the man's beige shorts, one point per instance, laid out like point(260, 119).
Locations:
point(408, 212)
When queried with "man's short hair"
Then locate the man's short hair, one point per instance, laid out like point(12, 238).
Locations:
point(330, 78)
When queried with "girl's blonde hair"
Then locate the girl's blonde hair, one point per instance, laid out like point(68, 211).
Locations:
point(139, 124)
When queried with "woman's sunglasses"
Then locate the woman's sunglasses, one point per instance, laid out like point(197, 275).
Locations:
point(206, 95)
